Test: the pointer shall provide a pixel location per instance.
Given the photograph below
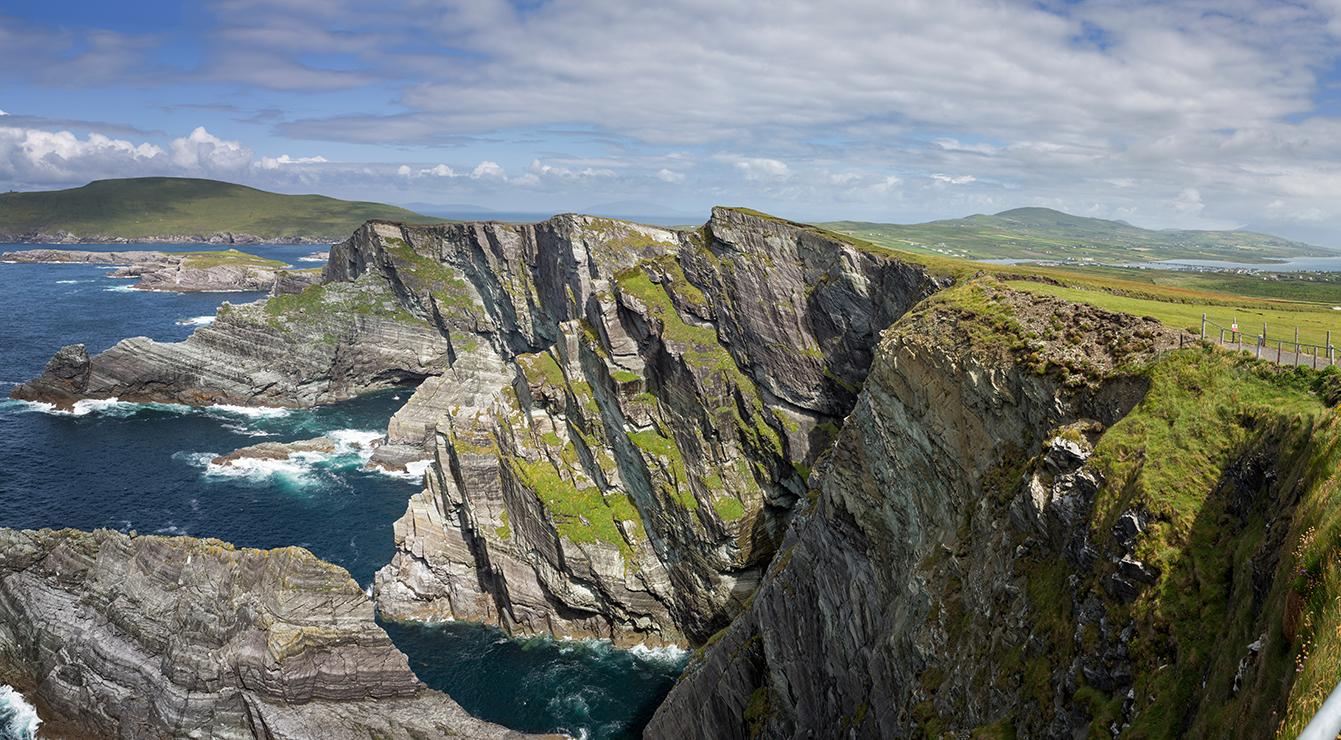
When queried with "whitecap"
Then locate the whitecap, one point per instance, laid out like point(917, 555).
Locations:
point(18, 718)
point(413, 471)
point(170, 529)
point(254, 412)
point(122, 289)
point(354, 439)
point(671, 655)
point(71, 282)
point(196, 321)
point(297, 469)
point(313, 259)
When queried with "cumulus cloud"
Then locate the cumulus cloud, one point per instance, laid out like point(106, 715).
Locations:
point(488, 170)
point(34, 155)
point(755, 168)
point(205, 152)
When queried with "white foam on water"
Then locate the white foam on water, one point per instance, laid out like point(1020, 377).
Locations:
point(41, 407)
point(18, 718)
point(296, 469)
point(413, 472)
point(667, 654)
point(122, 289)
point(253, 412)
point(312, 259)
point(299, 468)
point(196, 321)
point(354, 439)
point(72, 282)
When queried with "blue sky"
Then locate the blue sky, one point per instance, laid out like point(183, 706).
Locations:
point(1192, 114)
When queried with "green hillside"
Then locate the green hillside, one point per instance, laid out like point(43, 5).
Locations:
point(150, 207)
point(1042, 233)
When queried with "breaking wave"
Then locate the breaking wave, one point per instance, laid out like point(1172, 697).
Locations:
point(196, 321)
point(352, 447)
point(18, 718)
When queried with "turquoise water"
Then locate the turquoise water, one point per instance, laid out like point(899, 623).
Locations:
point(142, 467)
point(18, 719)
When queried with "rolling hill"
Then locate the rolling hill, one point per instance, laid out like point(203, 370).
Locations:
point(1046, 234)
point(182, 209)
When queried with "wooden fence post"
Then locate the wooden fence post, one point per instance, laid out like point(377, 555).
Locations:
point(1203, 327)
point(1296, 340)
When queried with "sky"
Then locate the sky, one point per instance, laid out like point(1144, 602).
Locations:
point(1216, 114)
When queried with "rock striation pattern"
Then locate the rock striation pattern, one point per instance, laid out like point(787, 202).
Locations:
point(622, 417)
point(144, 636)
point(860, 618)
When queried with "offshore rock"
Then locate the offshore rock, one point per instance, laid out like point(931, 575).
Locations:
point(229, 271)
point(136, 637)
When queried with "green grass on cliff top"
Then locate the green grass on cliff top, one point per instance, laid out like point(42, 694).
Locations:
point(168, 206)
point(1283, 301)
point(231, 257)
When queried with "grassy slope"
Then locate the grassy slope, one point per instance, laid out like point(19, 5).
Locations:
point(165, 206)
point(1174, 298)
point(1239, 464)
point(1042, 233)
point(1236, 462)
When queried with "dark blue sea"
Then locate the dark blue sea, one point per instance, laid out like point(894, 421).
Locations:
point(142, 467)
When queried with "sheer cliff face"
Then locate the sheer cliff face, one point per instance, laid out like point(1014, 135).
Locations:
point(135, 637)
point(853, 615)
point(629, 416)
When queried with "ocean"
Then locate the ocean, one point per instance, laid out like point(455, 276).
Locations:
point(142, 467)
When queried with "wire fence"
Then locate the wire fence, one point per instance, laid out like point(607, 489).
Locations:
point(1279, 350)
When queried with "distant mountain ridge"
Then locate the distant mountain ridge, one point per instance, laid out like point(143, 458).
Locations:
point(172, 209)
point(1047, 234)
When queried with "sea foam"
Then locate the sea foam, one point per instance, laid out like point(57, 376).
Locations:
point(18, 718)
point(196, 321)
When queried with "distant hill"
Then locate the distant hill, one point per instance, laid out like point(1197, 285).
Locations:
point(1042, 233)
point(181, 209)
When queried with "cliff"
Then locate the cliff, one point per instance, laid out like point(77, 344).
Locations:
point(884, 496)
point(1034, 523)
point(125, 636)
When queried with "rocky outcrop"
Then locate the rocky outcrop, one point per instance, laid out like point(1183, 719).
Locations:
point(859, 626)
point(326, 343)
point(622, 417)
point(136, 637)
point(620, 454)
point(185, 272)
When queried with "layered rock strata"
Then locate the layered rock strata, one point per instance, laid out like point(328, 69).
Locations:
point(139, 637)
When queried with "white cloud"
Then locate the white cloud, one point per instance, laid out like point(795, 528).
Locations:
point(1188, 201)
point(488, 170)
point(274, 163)
point(670, 176)
point(34, 155)
point(755, 168)
point(953, 179)
point(206, 152)
point(3, 113)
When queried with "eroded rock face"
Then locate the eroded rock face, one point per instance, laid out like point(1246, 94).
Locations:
point(619, 455)
point(859, 625)
point(138, 637)
point(622, 417)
